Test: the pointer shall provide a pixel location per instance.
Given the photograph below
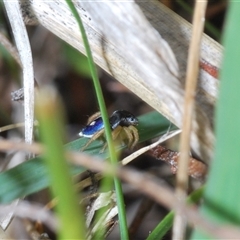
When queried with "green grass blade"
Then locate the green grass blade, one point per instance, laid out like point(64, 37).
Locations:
point(96, 82)
point(25, 179)
point(31, 176)
point(108, 134)
point(165, 225)
point(222, 196)
point(72, 223)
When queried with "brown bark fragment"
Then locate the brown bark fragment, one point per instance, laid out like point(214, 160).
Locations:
point(197, 169)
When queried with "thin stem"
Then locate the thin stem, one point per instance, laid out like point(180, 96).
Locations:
point(10, 48)
point(112, 152)
point(191, 83)
point(22, 42)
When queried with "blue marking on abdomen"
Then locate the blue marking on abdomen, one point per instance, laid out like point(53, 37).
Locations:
point(92, 128)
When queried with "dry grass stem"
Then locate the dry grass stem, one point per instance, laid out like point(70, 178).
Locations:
point(11, 126)
point(10, 48)
point(188, 115)
point(152, 187)
point(145, 183)
point(31, 211)
point(14, 14)
point(15, 125)
point(88, 181)
point(35, 148)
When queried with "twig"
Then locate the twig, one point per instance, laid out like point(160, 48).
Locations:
point(31, 211)
point(15, 125)
point(196, 168)
point(188, 114)
point(6, 145)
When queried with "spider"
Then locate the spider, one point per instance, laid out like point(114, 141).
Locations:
point(122, 124)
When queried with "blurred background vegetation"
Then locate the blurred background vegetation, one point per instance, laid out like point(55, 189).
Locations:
point(58, 64)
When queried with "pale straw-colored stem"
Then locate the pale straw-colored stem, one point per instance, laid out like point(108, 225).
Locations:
point(188, 115)
point(22, 42)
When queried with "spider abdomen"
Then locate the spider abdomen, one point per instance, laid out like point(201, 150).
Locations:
point(121, 122)
point(93, 127)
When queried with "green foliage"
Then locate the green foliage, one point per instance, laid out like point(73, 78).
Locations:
point(77, 60)
point(31, 176)
point(103, 110)
point(222, 196)
point(165, 225)
point(51, 128)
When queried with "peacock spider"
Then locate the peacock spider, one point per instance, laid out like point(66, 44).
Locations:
point(122, 124)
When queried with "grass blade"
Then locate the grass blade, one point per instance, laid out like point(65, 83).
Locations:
point(17, 182)
point(165, 225)
point(222, 196)
point(112, 152)
point(72, 223)
point(22, 42)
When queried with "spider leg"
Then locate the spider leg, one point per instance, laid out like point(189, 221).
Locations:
point(115, 134)
point(93, 138)
point(93, 117)
point(128, 132)
point(103, 148)
point(135, 134)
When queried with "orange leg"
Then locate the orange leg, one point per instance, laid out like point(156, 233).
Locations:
point(115, 135)
point(135, 136)
point(93, 117)
point(94, 137)
point(129, 136)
